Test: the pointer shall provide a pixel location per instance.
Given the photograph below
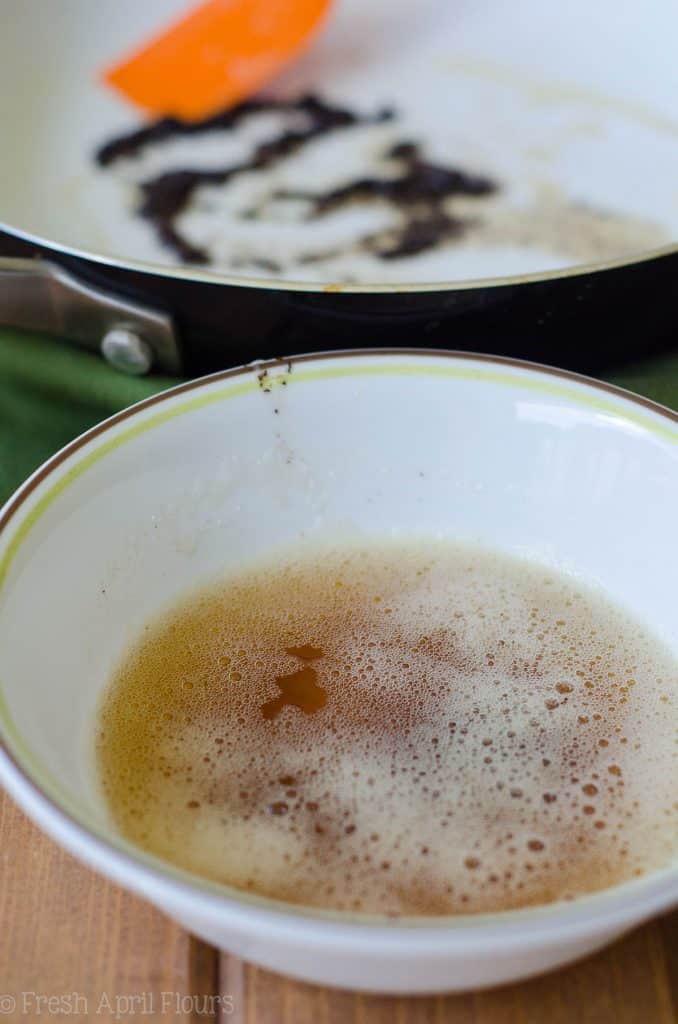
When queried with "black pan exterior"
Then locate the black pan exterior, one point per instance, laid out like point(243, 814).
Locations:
point(586, 322)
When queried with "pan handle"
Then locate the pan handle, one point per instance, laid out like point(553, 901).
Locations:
point(38, 295)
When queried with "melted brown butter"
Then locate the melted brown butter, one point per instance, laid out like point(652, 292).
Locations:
point(420, 728)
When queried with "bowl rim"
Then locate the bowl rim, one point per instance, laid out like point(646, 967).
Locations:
point(131, 866)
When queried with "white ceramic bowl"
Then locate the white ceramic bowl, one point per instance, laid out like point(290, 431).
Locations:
point(358, 444)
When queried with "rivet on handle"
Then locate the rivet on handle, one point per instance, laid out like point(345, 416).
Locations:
point(125, 350)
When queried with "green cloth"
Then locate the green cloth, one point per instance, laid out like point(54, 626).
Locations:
point(50, 393)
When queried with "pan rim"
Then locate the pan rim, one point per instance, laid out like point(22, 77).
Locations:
point(196, 275)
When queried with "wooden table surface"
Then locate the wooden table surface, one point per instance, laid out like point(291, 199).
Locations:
point(105, 955)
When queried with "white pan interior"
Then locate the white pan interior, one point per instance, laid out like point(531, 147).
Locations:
point(570, 107)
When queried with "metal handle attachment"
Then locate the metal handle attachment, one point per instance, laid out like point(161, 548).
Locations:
point(38, 295)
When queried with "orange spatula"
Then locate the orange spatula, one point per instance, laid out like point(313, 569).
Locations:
point(221, 52)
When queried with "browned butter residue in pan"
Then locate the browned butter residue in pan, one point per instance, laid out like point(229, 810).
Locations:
point(417, 190)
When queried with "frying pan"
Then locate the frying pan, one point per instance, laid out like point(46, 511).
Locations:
point(569, 108)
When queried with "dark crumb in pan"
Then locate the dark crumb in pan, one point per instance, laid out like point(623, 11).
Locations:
point(167, 195)
point(418, 193)
point(420, 182)
point(324, 116)
point(420, 233)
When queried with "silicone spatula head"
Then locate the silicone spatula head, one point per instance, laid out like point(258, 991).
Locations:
point(221, 52)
